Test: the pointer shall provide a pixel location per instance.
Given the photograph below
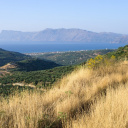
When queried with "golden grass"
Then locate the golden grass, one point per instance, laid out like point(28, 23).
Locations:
point(111, 111)
point(85, 98)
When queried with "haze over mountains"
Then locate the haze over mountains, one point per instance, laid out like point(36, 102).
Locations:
point(61, 35)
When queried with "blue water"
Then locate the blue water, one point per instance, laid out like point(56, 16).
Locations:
point(54, 47)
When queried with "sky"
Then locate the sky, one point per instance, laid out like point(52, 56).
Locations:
point(91, 15)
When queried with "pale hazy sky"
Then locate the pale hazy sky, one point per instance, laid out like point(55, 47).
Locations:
point(92, 15)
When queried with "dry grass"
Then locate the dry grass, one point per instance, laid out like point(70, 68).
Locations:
point(111, 111)
point(81, 99)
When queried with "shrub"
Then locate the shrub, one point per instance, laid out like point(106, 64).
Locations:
point(93, 63)
point(98, 60)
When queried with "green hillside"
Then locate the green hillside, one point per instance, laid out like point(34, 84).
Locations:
point(8, 56)
point(71, 58)
point(120, 53)
point(35, 64)
point(24, 62)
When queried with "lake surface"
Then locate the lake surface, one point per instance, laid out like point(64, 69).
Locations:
point(54, 47)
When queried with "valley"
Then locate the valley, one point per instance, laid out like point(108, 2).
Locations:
point(44, 69)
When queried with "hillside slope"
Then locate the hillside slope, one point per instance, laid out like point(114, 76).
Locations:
point(71, 58)
point(8, 56)
point(121, 53)
point(35, 64)
point(18, 61)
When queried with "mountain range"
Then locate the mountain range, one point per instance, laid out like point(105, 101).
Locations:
point(60, 35)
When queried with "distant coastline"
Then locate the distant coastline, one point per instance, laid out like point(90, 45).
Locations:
point(39, 48)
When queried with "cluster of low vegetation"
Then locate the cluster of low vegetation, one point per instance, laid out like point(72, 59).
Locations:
point(98, 60)
point(8, 90)
point(89, 97)
point(71, 58)
point(120, 54)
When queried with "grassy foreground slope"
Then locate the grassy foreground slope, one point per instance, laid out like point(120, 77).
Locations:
point(87, 98)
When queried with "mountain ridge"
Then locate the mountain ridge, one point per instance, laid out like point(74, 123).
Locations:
point(60, 35)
